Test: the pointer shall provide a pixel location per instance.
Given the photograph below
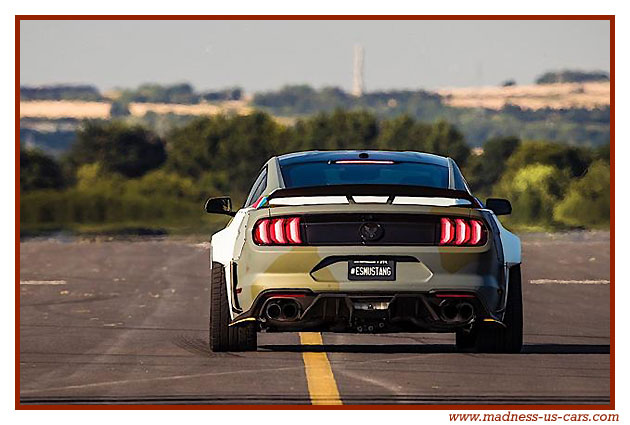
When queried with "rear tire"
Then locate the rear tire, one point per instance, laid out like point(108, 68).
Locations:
point(222, 336)
point(508, 339)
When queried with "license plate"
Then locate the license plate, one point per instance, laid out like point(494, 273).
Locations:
point(371, 270)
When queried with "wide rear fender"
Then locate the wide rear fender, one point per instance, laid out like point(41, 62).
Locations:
point(511, 245)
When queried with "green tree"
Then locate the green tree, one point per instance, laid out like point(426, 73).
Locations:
point(574, 160)
point(603, 153)
point(60, 92)
point(441, 138)
point(339, 130)
point(164, 184)
point(484, 170)
point(403, 133)
point(533, 190)
point(39, 171)
point(572, 76)
point(302, 99)
point(119, 148)
point(92, 178)
point(231, 147)
point(445, 139)
point(587, 202)
point(150, 92)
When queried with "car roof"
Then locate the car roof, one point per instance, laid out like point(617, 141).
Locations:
point(324, 156)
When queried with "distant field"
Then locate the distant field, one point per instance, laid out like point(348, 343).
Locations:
point(556, 96)
point(64, 109)
point(233, 106)
point(82, 110)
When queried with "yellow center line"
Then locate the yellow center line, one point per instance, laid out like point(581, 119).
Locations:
point(322, 387)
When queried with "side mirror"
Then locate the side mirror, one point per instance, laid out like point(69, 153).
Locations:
point(220, 205)
point(499, 206)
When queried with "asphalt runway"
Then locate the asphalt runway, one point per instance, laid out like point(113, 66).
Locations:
point(126, 322)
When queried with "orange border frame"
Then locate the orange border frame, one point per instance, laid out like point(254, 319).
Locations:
point(610, 18)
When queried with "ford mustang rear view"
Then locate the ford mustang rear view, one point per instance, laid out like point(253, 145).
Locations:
point(365, 242)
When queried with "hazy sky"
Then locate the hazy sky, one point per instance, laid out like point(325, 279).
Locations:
point(262, 55)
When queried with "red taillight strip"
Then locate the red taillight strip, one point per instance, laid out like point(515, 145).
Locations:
point(454, 296)
point(448, 231)
point(364, 161)
point(286, 295)
point(278, 231)
point(476, 232)
point(261, 232)
point(461, 232)
point(293, 227)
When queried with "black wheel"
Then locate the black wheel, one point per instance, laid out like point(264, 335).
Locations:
point(508, 339)
point(222, 336)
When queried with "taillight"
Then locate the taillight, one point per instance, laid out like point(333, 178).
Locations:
point(462, 232)
point(293, 225)
point(447, 231)
point(278, 231)
point(476, 232)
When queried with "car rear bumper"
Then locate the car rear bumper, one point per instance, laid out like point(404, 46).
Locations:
point(321, 274)
point(440, 311)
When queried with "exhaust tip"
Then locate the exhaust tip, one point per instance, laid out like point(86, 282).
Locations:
point(466, 311)
point(273, 311)
point(449, 311)
point(456, 312)
point(290, 310)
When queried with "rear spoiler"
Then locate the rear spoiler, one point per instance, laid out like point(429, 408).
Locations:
point(391, 190)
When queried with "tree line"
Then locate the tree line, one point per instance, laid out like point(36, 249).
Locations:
point(580, 126)
point(148, 92)
point(572, 76)
point(119, 175)
point(176, 93)
point(61, 92)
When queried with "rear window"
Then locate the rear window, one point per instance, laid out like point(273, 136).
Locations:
point(334, 173)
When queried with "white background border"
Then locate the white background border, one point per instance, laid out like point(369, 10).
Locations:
point(11, 8)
